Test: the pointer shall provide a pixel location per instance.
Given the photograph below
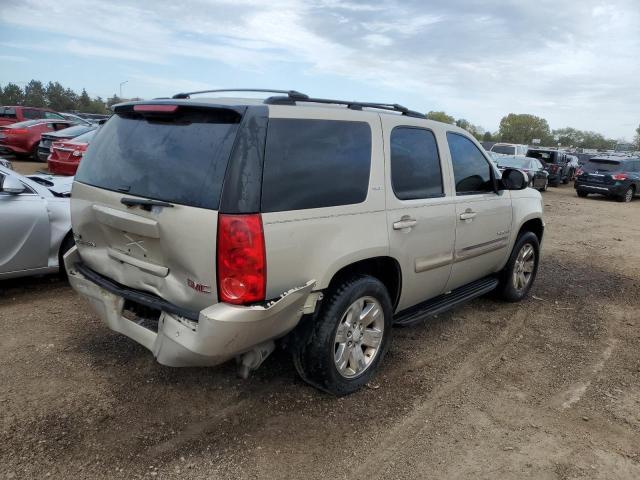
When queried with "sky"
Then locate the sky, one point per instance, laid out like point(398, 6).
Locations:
point(574, 62)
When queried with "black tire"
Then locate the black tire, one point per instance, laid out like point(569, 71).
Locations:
point(34, 153)
point(314, 347)
point(506, 289)
point(582, 193)
point(65, 246)
point(546, 185)
point(627, 196)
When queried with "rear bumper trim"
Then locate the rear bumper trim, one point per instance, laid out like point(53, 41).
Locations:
point(127, 293)
point(223, 331)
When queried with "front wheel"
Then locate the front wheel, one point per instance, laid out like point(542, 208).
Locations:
point(339, 350)
point(521, 269)
point(582, 193)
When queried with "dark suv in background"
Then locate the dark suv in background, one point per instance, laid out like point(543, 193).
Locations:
point(560, 165)
point(615, 177)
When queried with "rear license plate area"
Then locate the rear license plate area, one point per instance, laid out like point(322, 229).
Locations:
point(142, 315)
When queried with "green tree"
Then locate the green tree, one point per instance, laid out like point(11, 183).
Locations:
point(12, 94)
point(84, 102)
point(56, 96)
point(523, 128)
point(98, 106)
point(474, 130)
point(113, 100)
point(34, 94)
point(487, 137)
point(441, 117)
point(637, 139)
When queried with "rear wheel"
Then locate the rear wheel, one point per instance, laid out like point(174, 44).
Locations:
point(339, 350)
point(545, 186)
point(581, 193)
point(521, 269)
point(34, 152)
point(627, 196)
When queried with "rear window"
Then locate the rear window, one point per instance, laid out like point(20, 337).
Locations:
point(546, 157)
point(26, 123)
point(514, 162)
point(85, 137)
point(180, 158)
point(602, 166)
point(74, 131)
point(7, 112)
point(504, 149)
point(315, 163)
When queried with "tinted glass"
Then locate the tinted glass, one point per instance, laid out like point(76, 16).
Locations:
point(602, 166)
point(7, 112)
point(76, 130)
point(55, 116)
point(179, 159)
point(315, 163)
point(504, 149)
point(31, 114)
point(415, 164)
point(85, 137)
point(471, 170)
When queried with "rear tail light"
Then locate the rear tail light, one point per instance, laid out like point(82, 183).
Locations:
point(80, 149)
point(241, 259)
point(619, 176)
point(155, 108)
point(579, 172)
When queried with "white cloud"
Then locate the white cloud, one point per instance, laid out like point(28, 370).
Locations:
point(573, 62)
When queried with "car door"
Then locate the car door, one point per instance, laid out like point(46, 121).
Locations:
point(24, 243)
point(483, 214)
point(420, 209)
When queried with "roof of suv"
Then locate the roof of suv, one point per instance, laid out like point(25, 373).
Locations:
point(286, 97)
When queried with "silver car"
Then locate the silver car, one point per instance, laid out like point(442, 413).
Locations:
point(35, 223)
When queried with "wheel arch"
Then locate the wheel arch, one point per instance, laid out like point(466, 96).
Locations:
point(384, 268)
point(534, 225)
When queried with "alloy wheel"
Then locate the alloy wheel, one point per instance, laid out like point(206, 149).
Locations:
point(359, 337)
point(523, 267)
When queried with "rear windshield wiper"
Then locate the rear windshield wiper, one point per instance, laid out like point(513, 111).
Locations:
point(144, 204)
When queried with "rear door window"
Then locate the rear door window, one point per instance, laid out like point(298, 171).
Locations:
point(602, 166)
point(180, 158)
point(315, 163)
point(471, 170)
point(415, 164)
point(7, 112)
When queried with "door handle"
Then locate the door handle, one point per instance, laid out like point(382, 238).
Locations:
point(468, 215)
point(405, 222)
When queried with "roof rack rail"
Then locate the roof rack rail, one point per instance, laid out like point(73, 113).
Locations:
point(291, 94)
point(290, 97)
point(353, 105)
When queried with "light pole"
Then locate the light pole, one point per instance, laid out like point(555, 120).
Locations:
point(121, 84)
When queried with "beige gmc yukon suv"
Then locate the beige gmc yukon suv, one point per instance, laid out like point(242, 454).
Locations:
point(209, 229)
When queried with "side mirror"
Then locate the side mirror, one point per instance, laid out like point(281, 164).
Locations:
point(12, 185)
point(514, 179)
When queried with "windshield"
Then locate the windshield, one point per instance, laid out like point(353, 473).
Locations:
point(602, 166)
point(504, 149)
point(514, 162)
point(179, 158)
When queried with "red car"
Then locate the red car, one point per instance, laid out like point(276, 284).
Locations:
point(65, 156)
point(9, 115)
point(22, 138)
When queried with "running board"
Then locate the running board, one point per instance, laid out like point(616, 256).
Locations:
point(445, 302)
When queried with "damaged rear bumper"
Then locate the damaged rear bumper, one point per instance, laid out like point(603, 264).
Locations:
point(222, 331)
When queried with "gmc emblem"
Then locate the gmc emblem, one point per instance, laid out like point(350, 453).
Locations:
point(198, 287)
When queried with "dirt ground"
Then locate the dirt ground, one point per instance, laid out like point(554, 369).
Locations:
point(547, 389)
